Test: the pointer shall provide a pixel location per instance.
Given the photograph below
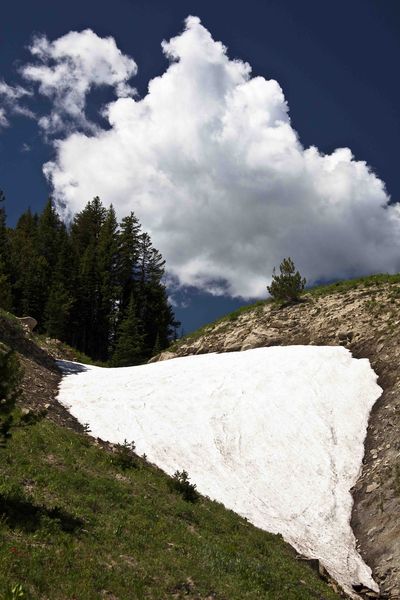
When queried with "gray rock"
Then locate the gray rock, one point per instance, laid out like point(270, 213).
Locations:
point(372, 487)
point(233, 341)
point(167, 355)
point(345, 335)
point(258, 339)
point(28, 323)
point(232, 344)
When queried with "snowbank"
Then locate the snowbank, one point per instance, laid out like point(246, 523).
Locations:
point(275, 434)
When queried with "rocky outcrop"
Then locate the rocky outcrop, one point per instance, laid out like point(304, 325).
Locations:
point(367, 321)
point(27, 322)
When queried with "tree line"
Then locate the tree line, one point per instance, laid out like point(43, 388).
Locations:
point(95, 284)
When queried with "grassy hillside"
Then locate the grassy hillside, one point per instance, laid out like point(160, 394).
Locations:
point(77, 523)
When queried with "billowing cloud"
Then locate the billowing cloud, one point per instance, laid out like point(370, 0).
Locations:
point(10, 97)
point(68, 68)
point(212, 166)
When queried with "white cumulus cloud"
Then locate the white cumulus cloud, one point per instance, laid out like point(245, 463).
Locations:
point(209, 161)
point(68, 68)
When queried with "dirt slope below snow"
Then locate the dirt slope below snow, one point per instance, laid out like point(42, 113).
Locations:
point(41, 376)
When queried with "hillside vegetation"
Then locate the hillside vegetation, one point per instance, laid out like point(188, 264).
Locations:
point(82, 520)
point(77, 525)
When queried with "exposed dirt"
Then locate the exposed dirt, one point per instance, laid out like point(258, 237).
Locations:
point(366, 320)
point(41, 374)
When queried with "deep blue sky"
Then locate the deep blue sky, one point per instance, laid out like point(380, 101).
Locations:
point(336, 62)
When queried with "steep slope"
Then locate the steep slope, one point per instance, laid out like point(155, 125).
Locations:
point(82, 519)
point(41, 374)
point(364, 317)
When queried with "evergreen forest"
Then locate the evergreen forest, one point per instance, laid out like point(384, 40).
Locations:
point(94, 284)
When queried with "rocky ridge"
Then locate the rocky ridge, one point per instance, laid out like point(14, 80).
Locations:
point(366, 320)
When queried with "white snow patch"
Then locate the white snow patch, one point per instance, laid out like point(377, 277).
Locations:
point(275, 434)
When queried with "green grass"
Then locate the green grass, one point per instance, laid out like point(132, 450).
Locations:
point(76, 526)
point(346, 285)
point(11, 318)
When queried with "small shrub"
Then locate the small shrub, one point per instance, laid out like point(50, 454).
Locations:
point(28, 417)
point(287, 286)
point(124, 455)
point(181, 484)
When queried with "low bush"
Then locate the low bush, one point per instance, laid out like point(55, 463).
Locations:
point(181, 484)
point(124, 456)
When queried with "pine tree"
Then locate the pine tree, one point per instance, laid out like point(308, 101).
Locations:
point(129, 346)
point(5, 266)
point(58, 312)
point(157, 348)
point(109, 289)
point(151, 296)
point(49, 232)
point(87, 225)
point(5, 288)
point(30, 269)
point(85, 234)
point(3, 228)
point(58, 308)
point(128, 258)
point(287, 286)
point(157, 315)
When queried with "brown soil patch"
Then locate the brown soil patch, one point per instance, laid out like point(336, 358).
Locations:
point(41, 375)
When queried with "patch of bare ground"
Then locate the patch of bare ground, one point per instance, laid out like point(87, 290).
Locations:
point(366, 320)
point(41, 375)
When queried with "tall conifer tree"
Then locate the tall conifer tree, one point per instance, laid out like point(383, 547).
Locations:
point(109, 289)
point(129, 347)
point(5, 259)
point(128, 257)
point(85, 234)
point(30, 271)
point(58, 314)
